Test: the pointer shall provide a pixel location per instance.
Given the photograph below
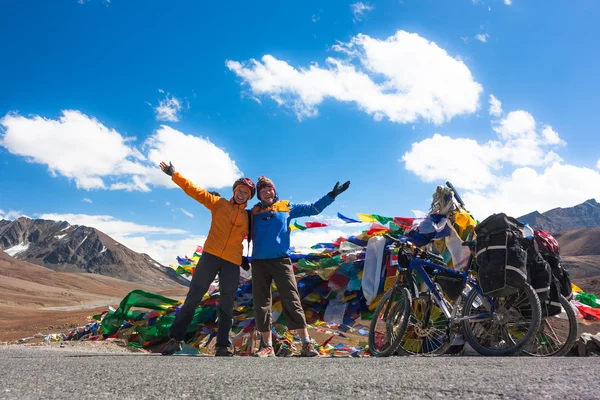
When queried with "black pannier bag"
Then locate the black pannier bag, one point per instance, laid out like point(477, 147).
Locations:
point(538, 270)
point(561, 285)
point(452, 284)
point(500, 256)
point(560, 274)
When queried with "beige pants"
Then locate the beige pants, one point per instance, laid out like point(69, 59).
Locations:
point(281, 271)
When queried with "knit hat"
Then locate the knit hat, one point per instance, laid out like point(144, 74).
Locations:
point(263, 182)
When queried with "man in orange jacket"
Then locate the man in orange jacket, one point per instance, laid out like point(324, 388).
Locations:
point(222, 256)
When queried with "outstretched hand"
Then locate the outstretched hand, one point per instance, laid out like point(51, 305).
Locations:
point(337, 189)
point(167, 169)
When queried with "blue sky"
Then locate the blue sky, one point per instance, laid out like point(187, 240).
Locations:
point(392, 95)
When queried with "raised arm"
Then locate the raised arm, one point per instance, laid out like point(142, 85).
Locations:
point(306, 210)
point(197, 193)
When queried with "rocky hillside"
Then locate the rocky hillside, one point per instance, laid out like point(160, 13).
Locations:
point(70, 248)
point(585, 215)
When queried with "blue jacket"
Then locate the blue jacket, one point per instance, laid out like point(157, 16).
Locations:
point(270, 226)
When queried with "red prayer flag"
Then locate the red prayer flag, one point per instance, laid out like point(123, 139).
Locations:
point(314, 224)
point(405, 223)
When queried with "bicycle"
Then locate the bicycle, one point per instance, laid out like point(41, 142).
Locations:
point(425, 322)
point(557, 333)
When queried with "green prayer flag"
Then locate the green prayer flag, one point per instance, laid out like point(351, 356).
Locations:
point(297, 225)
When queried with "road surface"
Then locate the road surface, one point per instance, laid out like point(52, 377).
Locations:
point(29, 372)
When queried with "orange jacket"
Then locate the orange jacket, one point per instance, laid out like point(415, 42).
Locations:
point(229, 223)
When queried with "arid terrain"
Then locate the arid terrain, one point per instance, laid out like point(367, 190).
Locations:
point(36, 299)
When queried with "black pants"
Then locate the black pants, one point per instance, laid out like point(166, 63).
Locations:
point(207, 269)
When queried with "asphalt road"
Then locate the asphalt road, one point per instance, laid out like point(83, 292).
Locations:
point(49, 374)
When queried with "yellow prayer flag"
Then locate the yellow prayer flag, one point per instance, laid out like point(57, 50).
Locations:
point(366, 218)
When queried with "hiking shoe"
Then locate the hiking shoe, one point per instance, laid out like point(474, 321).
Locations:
point(308, 350)
point(266, 351)
point(223, 352)
point(172, 347)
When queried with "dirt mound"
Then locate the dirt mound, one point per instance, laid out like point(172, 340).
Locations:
point(579, 242)
point(36, 299)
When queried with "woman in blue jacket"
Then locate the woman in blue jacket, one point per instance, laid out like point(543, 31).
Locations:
point(270, 261)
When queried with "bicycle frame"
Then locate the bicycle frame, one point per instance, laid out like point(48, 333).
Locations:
point(450, 311)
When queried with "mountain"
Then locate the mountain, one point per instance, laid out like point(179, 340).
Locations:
point(580, 251)
point(585, 215)
point(72, 248)
point(579, 242)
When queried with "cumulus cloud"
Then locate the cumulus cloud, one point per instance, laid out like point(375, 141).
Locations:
point(11, 214)
point(211, 167)
point(359, 9)
point(495, 106)
point(138, 237)
point(508, 2)
point(402, 78)
point(169, 108)
point(518, 173)
point(551, 136)
point(526, 190)
point(473, 165)
point(482, 37)
point(86, 200)
point(94, 156)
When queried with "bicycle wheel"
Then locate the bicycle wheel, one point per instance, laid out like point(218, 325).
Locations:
point(511, 322)
point(557, 334)
point(427, 332)
point(389, 322)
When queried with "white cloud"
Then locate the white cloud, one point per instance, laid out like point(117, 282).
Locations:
point(465, 39)
point(551, 136)
point(164, 251)
point(508, 2)
point(403, 78)
point(526, 190)
point(75, 145)
point(463, 161)
point(86, 200)
point(303, 240)
point(482, 37)
point(516, 174)
point(167, 203)
point(96, 157)
point(518, 124)
point(185, 212)
point(359, 9)
point(475, 166)
point(315, 18)
point(11, 214)
point(211, 167)
point(495, 106)
point(137, 237)
point(110, 225)
point(168, 108)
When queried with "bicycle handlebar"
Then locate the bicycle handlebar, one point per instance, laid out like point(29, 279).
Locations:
point(417, 250)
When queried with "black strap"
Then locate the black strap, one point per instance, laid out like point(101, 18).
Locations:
point(249, 227)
